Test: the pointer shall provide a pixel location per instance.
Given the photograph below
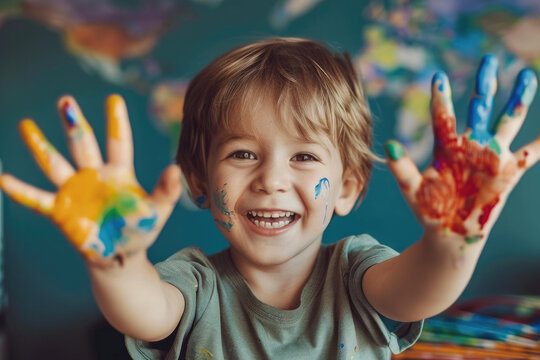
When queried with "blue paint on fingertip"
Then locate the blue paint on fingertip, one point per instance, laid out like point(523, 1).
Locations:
point(523, 93)
point(486, 77)
point(441, 78)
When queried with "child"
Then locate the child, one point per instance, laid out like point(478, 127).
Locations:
point(276, 140)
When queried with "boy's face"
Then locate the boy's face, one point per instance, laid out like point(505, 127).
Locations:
point(271, 193)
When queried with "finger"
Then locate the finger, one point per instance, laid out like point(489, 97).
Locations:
point(516, 109)
point(51, 162)
point(481, 103)
point(404, 170)
point(27, 195)
point(119, 138)
point(82, 142)
point(528, 155)
point(167, 191)
point(442, 110)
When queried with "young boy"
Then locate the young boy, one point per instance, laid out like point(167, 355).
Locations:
point(276, 139)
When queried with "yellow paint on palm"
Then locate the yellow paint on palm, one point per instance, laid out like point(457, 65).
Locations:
point(40, 147)
point(79, 203)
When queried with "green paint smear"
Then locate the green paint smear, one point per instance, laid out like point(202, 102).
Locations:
point(394, 150)
point(472, 239)
point(494, 145)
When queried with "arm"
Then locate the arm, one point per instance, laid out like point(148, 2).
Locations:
point(107, 217)
point(457, 198)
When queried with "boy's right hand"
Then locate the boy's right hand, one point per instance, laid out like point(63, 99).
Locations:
point(101, 208)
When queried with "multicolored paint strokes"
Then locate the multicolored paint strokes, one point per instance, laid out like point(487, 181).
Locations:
point(324, 184)
point(463, 164)
point(101, 208)
point(100, 217)
point(481, 104)
point(471, 174)
point(221, 204)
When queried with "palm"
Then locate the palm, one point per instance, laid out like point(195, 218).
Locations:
point(465, 187)
point(101, 208)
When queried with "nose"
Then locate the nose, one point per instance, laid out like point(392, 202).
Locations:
point(272, 176)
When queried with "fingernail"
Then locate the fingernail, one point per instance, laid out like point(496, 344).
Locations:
point(70, 114)
point(440, 77)
point(394, 150)
point(528, 78)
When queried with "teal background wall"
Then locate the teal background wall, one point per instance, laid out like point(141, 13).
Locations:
point(51, 312)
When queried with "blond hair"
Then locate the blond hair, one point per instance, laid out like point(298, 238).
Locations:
point(317, 89)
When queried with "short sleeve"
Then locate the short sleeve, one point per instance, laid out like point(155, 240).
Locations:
point(363, 252)
point(190, 271)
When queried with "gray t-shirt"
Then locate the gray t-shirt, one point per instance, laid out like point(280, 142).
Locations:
point(224, 320)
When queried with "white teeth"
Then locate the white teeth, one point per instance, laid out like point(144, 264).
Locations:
point(268, 214)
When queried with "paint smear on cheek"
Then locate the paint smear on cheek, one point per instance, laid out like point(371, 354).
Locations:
point(221, 204)
point(324, 184)
point(462, 169)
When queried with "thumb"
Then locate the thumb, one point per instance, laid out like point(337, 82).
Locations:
point(167, 190)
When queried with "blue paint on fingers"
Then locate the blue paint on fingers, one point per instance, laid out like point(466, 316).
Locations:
point(481, 104)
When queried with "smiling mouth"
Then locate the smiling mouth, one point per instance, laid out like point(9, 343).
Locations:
point(271, 219)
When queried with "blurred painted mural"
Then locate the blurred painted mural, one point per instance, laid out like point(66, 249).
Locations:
point(150, 49)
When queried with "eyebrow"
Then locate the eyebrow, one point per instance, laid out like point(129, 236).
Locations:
point(246, 136)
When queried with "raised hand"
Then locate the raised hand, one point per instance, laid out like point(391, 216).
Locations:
point(101, 208)
point(464, 189)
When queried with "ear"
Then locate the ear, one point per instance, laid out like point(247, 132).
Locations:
point(351, 187)
point(198, 190)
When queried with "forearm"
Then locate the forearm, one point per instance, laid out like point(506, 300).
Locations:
point(135, 300)
point(423, 280)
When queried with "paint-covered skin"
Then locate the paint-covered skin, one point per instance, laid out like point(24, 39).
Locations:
point(464, 189)
point(323, 184)
point(101, 208)
point(221, 204)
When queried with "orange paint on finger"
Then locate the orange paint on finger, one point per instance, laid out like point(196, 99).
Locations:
point(41, 148)
point(115, 105)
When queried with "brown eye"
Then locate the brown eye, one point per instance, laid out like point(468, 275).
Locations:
point(243, 155)
point(303, 157)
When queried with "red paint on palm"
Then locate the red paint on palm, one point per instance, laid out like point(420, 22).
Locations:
point(462, 165)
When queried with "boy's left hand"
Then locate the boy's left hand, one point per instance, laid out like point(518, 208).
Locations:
point(464, 189)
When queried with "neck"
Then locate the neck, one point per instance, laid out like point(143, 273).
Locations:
point(279, 285)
